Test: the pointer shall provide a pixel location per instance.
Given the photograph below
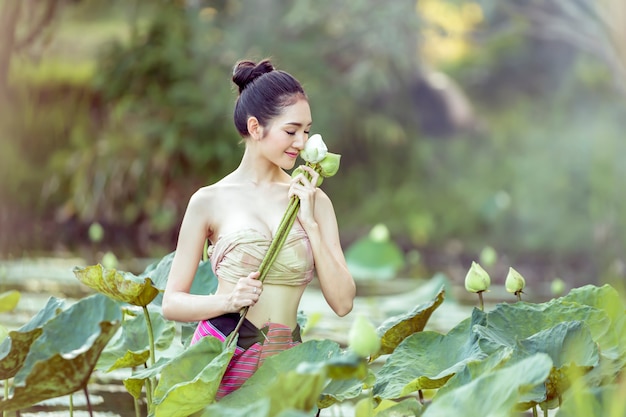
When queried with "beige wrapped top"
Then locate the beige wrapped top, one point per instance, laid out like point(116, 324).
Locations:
point(237, 254)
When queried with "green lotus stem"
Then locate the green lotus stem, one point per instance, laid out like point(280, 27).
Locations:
point(71, 405)
point(519, 295)
point(149, 394)
point(480, 299)
point(6, 392)
point(535, 414)
point(275, 246)
point(150, 383)
point(136, 404)
point(150, 334)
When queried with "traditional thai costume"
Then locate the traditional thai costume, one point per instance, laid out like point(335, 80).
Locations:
point(234, 256)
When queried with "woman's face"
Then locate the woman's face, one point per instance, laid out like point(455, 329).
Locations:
point(284, 137)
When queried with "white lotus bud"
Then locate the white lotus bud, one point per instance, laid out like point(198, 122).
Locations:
point(314, 150)
point(363, 339)
point(477, 279)
point(514, 283)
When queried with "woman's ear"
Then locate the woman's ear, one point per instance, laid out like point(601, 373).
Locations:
point(254, 128)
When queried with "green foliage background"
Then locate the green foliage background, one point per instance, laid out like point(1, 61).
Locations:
point(126, 110)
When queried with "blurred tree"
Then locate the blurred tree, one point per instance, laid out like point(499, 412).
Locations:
point(22, 23)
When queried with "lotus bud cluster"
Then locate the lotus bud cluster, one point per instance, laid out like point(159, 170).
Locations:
point(316, 155)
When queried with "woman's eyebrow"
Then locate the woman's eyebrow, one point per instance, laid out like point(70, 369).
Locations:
point(298, 124)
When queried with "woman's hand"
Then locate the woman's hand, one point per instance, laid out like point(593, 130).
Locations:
point(305, 189)
point(246, 293)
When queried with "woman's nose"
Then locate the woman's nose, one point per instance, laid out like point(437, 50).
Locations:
point(300, 141)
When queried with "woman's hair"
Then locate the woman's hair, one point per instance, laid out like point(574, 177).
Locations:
point(263, 92)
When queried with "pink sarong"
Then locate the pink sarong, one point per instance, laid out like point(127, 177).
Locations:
point(277, 338)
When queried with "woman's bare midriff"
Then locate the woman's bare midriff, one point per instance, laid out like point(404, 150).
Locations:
point(277, 304)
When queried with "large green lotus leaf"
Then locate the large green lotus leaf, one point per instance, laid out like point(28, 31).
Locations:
point(296, 389)
point(603, 298)
point(13, 350)
point(583, 401)
point(571, 349)
point(395, 329)
point(511, 322)
point(257, 408)
point(494, 394)
point(426, 360)
point(607, 299)
point(475, 369)
point(204, 282)
point(189, 382)
point(338, 390)
point(373, 259)
point(135, 383)
point(119, 285)
point(407, 407)
point(313, 358)
point(62, 359)
point(9, 300)
point(346, 373)
point(131, 348)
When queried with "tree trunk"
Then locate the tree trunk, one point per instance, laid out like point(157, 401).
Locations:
point(8, 21)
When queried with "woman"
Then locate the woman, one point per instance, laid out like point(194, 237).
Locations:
point(239, 215)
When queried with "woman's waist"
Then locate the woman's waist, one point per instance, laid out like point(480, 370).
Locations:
point(276, 304)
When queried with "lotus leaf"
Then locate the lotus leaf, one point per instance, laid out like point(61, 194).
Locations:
point(407, 407)
point(369, 258)
point(14, 349)
point(493, 394)
point(571, 349)
point(204, 281)
point(130, 346)
point(135, 383)
point(311, 360)
point(60, 362)
point(603, 298)
point(395, 329)
point(119, 285)
point(512, 322)
point(426, 360)
point(474, 369)
point(584, 401)
point(9, 300)
point(189, 382)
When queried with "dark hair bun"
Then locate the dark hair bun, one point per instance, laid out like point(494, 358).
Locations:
point(247, 71)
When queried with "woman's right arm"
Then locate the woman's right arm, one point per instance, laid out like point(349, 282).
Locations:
point(178, 304)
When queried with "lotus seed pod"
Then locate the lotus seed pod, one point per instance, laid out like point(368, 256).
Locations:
point(363, 339)
point(514, 283)
point(477, 279)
